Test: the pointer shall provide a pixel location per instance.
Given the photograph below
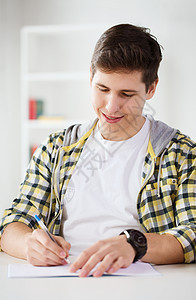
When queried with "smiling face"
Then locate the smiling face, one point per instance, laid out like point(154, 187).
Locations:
point(118, 99)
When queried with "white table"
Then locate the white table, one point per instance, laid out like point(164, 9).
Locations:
point(176, 282)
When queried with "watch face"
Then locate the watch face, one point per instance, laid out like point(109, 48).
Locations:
point(138, 238)
point(138, 241)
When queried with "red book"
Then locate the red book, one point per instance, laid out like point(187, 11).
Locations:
point(32, 149)
point(32, 109)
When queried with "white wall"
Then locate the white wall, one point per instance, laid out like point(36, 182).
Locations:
point(172, 21)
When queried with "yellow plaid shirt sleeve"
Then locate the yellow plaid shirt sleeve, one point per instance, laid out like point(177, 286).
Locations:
point(34, 196)
point(172, 209)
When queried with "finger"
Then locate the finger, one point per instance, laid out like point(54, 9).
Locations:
point(44, 239)
point(80, 261)
point(37, 260)
point(84, 257)
point(105, 264)
point(119, 263)
point(63, 244)
point(97, 257)
point(43, 257)
point(91, 263)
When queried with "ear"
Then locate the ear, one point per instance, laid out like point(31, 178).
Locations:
point(152, 89)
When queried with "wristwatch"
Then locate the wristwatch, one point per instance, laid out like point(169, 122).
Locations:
point(138, 241)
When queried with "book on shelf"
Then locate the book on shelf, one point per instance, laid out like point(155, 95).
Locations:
point(32, 149)
point(36, 108)
point(36, 112)
point(40, 108)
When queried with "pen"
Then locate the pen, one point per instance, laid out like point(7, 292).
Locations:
point(41, 224)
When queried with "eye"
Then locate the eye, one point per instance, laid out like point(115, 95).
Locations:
point(102, 89)
point(127, 95)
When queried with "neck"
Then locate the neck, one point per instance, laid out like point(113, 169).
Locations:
point(114, 132)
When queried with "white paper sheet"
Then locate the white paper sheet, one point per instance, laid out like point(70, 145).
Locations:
point(27, 270)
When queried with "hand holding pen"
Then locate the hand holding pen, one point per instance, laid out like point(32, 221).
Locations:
point(43, 249)
point(42, 225)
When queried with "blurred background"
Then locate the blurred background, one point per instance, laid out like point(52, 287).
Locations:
point(45, 52)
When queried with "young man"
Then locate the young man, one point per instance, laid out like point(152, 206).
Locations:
point(115, 190)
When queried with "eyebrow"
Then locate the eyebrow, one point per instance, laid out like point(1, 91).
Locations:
point(124, 90)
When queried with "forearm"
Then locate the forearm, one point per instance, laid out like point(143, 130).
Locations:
point(34, 245)
point(163, 249)
point(13, 240)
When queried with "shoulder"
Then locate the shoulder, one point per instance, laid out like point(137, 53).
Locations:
point(164, 136)
point(183, 140)
point(55, 139)
point(50, 144)
point(183, 147)
point(66, 137)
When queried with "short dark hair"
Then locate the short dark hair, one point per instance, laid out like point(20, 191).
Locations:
point(126, 48)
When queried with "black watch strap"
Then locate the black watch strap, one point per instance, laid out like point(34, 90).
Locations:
point(138, 241)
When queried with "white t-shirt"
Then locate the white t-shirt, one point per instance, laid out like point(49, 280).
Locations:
point(101, 200)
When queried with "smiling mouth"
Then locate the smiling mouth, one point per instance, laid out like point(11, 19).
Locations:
point(111, 119)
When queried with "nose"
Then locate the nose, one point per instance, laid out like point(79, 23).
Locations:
point(113, 104)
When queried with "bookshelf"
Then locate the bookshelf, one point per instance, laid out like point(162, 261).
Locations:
point(55, 63)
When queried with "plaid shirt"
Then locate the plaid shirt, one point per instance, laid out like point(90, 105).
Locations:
point(166, 202)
